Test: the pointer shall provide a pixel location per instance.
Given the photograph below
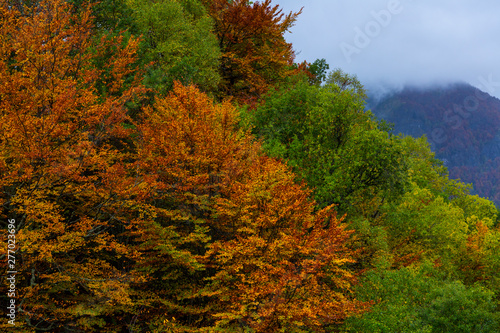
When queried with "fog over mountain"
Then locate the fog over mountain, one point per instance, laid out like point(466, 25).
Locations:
point(389, 44)
point(462, 124)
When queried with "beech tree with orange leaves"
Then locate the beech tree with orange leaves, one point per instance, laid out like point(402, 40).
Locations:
point(63, 176)
point(255, 254)
point(282, 269)
point(255, 54)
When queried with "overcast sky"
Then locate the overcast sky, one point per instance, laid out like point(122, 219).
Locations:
point(390, 43)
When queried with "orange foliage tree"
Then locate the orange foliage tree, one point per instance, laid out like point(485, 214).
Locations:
point(256, 255)
point(479, 261)
point(62, 174)
point(183, 145)
point(282, 267)
point(255, 54)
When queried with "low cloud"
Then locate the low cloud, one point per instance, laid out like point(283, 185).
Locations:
point(390, 43)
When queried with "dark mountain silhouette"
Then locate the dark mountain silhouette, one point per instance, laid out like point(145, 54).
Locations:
point(462, 124)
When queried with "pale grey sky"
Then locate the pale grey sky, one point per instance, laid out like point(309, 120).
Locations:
point(390, 43)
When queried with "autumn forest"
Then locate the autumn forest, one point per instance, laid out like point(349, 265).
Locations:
point(167, 166)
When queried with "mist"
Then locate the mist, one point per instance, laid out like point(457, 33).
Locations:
point(393, 43)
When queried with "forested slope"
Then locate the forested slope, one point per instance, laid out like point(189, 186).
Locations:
point(462, 124)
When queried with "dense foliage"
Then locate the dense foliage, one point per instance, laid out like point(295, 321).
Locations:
point(170, 169)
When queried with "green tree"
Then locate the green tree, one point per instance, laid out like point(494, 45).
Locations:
point(318, 70)
point(420, 299)
point(457, 308)
point(329, 139)
point(344, 81)
point(177, 37)
point(110, 16)
point(422, 225)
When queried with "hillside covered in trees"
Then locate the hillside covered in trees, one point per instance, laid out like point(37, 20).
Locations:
point(166, 166)
point(462, 124)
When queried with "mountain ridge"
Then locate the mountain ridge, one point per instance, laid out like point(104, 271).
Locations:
point(462, 124)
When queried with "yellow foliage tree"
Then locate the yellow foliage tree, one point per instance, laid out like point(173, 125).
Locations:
point(62, 175)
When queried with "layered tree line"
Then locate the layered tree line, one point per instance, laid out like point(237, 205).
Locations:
point(170, 168)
